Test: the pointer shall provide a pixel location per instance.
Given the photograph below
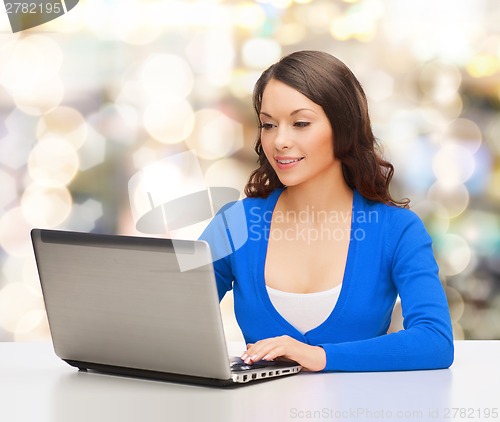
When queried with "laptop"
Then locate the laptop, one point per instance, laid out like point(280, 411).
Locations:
point(123, 305)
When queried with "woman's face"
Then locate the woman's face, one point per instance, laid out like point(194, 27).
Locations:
point(296, 135)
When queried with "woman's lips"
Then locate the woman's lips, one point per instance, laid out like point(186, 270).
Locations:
point(284, 163)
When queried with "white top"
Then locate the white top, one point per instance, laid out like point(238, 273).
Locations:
point(304, 311)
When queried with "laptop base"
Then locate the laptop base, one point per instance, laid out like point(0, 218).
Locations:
point(163, 376)
point(152, 375)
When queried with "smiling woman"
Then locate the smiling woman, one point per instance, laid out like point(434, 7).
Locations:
point(317, 290)
point(329, 92)
point(296, 138)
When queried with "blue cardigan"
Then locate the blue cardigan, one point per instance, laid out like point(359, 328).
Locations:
point(390, 253)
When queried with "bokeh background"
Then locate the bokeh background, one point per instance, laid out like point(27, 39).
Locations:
point(96, 97)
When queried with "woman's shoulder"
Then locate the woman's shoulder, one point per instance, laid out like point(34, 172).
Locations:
point(393, 219)
point(388, 210)
point(242, 209)
point(263, 203)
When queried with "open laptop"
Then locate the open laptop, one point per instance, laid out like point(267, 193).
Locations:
point(122, 305)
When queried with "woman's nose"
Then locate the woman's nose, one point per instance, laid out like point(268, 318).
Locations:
point(282, 139)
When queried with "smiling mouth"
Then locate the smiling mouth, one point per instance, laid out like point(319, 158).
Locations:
point(290, 161)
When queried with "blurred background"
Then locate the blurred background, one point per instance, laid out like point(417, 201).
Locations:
point(101, 95)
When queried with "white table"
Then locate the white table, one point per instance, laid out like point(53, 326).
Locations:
point(35, 385)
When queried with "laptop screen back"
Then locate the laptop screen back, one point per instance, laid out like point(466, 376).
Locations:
point(123, 301)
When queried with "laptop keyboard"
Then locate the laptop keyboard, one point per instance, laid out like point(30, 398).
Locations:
point(238, 365)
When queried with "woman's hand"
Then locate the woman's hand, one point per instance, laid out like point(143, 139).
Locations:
point(311, 358)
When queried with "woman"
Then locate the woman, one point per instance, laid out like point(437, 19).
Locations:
point(328, 249)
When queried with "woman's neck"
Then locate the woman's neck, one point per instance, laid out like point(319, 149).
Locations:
point(335, 195)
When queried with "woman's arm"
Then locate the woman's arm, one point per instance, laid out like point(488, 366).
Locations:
point(225, 233)
point(427, 339)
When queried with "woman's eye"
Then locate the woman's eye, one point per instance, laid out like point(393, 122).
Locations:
point(301, 124)
point(266, 126)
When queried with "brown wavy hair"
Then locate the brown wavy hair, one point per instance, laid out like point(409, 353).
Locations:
point(328, 82)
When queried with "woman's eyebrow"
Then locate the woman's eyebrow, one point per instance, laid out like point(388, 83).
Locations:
point(291, 114)
point(301, 109)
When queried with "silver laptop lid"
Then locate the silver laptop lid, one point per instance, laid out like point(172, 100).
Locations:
point(123, 301)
